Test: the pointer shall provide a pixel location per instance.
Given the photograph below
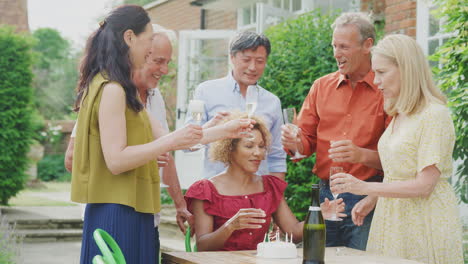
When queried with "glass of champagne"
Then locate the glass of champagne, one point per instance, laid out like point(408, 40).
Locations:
point(197, 109)
point(333, 171)
point(251, 99)
point(162, 184)
point(289, 116)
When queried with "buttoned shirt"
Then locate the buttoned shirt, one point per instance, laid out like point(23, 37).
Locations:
point(157, 108)
point(333, 110)
point(224, 95)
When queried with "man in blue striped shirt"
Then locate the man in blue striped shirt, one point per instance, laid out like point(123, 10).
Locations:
point(249, 53)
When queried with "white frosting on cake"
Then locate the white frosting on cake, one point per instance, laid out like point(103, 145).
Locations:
point(276, 249)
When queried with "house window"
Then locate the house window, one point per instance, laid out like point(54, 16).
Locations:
point(327, 5)
point(429, 27)
point(247, 15)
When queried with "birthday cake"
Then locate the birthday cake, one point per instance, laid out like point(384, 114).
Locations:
point(277, 249)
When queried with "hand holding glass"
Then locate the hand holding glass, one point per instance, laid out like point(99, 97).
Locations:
point(162, 164)
point(197, 109)
point(251, 98)
point(333, 171)
point(289, 115)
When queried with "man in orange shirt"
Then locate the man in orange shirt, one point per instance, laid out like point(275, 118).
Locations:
point(341, 120)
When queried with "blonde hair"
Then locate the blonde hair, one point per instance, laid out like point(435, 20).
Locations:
point(417, 87)
point(222, 150)
point(361, 20)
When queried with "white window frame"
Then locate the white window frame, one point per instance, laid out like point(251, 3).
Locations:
point(423, 9)
point(190, 164)
point(306, 6)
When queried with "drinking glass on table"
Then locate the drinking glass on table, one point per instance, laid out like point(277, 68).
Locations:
point(251, 99)
point(333, 171)
point(290, 118)
point(197, 109)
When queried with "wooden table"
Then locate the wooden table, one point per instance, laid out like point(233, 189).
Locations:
point(333, 255)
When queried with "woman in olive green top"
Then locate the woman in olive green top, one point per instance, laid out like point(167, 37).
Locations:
point(114, 168)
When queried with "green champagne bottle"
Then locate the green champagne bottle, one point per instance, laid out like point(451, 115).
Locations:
point(314, 231)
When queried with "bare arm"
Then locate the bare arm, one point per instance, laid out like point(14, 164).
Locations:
point(209, 239)
point(171, 179)
point(112, 125)
point(69, 154)
point(287, 222)
point(346, 151)
point(231, 129)
point(421, 186)
point(362, 209)
point(156, 127)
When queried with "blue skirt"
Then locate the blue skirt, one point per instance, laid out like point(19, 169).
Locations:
point(133, 231)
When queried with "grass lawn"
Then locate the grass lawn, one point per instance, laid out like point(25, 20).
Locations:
point(47, 194)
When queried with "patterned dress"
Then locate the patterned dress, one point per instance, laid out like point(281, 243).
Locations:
point(423, 229)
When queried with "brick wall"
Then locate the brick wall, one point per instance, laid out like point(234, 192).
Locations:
point(176, 15)
point(400, 17)
point(179, 15)
point(377, 7)
point(14, 12)
point(220, 19)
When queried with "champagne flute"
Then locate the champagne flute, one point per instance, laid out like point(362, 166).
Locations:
point(251, 99)
point(290, 118)
point(162, 184)
point(197, 109)
point(333, 171)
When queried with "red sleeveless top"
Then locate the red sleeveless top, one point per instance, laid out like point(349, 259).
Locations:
point(223, 207)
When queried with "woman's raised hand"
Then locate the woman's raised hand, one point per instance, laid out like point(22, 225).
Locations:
point(247, 218)
point(235, 127)
point(185, 137)
point(216, 120)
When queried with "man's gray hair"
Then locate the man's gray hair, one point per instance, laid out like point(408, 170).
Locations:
point(249, 40)
point(361, 20)
point(160, 30)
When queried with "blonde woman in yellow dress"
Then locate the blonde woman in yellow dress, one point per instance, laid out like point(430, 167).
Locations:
point(416, 216)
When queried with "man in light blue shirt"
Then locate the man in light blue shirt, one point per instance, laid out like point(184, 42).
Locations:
point(249, 53)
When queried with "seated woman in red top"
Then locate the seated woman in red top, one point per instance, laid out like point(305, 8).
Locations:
point(233, 210)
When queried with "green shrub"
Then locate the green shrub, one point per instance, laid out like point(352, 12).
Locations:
point(10, 243)
point(165, 197)
point(55, 74)
point(301, 53)
point(51, 168)
point(15, 110)
point(451, 76)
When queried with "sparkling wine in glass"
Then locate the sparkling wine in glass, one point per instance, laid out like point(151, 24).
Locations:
point(197, 109)
point(251, 99)
point(162, 184)
point(290, 118)
point(333, 171)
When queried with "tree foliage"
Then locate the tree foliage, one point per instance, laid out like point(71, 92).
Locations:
point(301, 53)
point(15, 110)
point(56, 74)
point(451, 76)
